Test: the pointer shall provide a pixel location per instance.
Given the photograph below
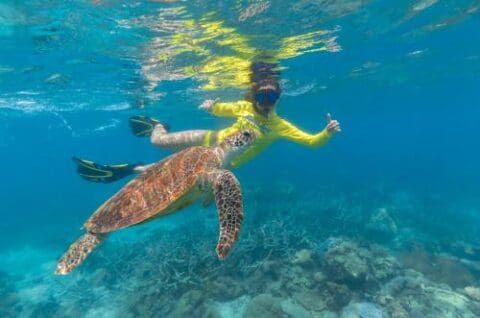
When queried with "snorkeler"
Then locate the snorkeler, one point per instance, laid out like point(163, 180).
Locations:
point(256, 112)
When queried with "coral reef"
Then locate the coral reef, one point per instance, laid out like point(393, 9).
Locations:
point(302, 257)
point(472, 292)
point(362, 310)
point(189, 304)
point(381, 227)
point(265, 305)
point(348, 263)
point(9, 298)
point(325, 260)
point(438, 268)
point(412, 295)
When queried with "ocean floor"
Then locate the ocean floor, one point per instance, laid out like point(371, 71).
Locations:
point(316, 253)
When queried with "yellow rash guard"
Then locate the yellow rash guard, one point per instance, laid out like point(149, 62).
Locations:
point(268, 129)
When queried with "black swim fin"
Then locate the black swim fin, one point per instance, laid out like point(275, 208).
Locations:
point(95, 172)
point(142, 126)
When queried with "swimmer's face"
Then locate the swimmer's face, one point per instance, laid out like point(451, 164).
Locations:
point(266, 97)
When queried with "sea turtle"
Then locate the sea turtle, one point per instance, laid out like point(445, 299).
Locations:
point(166, 187)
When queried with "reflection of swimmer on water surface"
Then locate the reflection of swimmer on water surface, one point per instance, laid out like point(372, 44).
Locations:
point(256, 112)
point(213, 53)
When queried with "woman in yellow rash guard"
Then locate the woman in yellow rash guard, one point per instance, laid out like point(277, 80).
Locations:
point(257, 113)
point(260, 115)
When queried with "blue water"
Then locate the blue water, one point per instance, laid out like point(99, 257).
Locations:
point(403, 82)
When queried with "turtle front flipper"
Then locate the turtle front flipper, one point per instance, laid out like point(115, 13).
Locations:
point(77, 252)
point(228, 198)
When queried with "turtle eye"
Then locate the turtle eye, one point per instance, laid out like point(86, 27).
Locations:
point(247, 134)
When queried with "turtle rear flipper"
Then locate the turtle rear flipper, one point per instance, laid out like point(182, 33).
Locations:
point(77, 252)
point(228, 197)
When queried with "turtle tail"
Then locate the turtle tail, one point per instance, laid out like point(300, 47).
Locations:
point(77, 252)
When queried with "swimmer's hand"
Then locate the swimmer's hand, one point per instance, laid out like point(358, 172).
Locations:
point(333, 126)
point(207, 105)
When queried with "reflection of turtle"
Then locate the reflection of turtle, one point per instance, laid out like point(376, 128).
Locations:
point(169, 186)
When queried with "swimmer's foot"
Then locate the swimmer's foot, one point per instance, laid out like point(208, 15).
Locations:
point(143, 126)
point(95, 172)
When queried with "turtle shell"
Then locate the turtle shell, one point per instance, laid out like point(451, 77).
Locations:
point(159, 190)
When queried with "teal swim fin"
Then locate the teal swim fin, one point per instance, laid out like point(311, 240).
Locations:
point(142, 126)
point(95, 172)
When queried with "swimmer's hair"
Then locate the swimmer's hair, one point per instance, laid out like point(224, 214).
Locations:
point(262, 74)
point(262, 70)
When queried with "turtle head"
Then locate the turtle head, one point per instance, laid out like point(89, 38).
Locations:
point(239, 141)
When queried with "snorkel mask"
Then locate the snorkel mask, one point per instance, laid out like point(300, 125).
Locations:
point(266, 97)
point(266, 93)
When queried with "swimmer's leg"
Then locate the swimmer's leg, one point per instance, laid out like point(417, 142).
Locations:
point(143, 126)
point(178, 140)
point(96, 172)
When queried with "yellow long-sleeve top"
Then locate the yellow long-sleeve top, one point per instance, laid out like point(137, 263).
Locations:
point(268, 129)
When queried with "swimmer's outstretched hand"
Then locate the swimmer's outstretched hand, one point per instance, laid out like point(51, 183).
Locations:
point(207, 105)
point(333, 126)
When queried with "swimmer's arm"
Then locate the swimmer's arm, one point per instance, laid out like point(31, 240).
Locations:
point(230, 109)
point(290, 132)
